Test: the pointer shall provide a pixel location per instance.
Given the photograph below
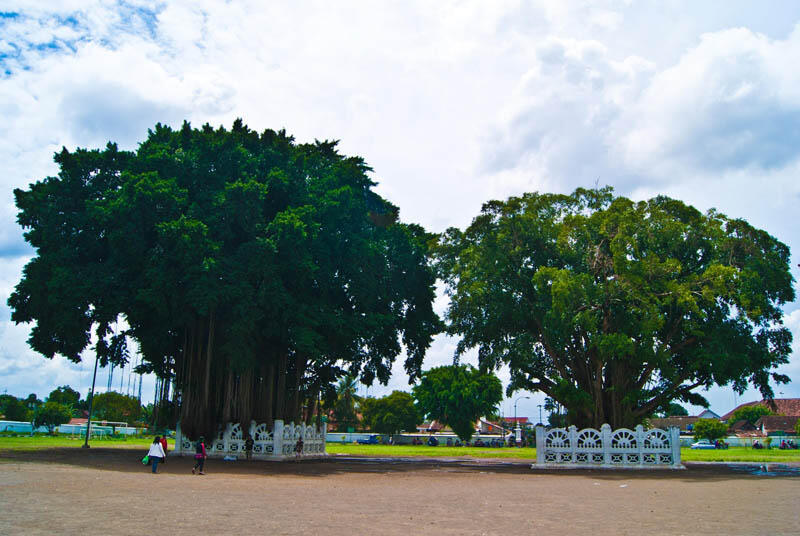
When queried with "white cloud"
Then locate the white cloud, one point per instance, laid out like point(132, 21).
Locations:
point(452, 103)
point(729, 103)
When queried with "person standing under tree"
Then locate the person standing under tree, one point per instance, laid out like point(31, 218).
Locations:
point(298, 448)
point(200, 456)
point(164, 446)
point(156, 453)
point(248, 447)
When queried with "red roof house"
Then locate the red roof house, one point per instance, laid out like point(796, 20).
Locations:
point(776, 425)
point(789, 407)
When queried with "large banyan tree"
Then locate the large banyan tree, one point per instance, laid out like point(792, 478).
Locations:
point(252, 271)
point(615, 308)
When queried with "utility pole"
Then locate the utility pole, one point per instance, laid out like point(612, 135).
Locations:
point(91, 402)
point(517, 430)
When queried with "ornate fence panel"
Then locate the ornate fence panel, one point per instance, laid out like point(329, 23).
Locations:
point(638, 448)
point(276, 443)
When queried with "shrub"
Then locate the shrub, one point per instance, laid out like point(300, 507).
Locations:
point(710, 429)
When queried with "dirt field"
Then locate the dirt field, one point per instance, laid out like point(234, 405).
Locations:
point(107, 491)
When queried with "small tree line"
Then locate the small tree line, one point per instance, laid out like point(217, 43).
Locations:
point(65, 403)
point(455, 395)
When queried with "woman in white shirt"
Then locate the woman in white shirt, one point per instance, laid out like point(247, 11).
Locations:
point(156, 453)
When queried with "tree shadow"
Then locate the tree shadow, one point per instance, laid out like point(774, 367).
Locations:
point(129, 460)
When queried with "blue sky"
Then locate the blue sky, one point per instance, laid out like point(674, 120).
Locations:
point(452, 104)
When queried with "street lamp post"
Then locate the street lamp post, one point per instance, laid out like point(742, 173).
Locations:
point(517, 430)
point(91, 401)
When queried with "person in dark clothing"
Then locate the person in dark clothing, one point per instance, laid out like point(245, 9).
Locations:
point(248, 447)
point(200, 456)
point(298, 448)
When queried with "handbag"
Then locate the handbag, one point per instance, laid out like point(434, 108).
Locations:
point(146, 460)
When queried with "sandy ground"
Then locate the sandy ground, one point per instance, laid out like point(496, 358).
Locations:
point(107, 491)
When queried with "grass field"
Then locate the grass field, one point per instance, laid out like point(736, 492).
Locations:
point(740, 454)
point(45, 442)
point(423, 451)
point(733, 454)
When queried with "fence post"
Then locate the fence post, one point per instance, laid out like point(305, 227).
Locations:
point(226, 438)
point(640, 442)
point(324, 438)
point(675, 444)
point(277, 438)
point(540, 447)
point(573, 443)
point(178, 439)
point(605, 435)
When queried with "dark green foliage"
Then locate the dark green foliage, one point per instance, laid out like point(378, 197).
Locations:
point(14, 409)
point(391, 414)
point(750, 413)
point(344, 409)
point(710, 429)
point(252, 271)
point(51, 414)
point(457, 395)
point(113, 406)
point(614, 307)
point(69, 397)
point(674, 410)
point(557, 420)
point(32, 401)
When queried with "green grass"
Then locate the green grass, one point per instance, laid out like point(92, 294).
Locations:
point(23, 442)
point(733, 454)
point(423, 451)
point(740, 454)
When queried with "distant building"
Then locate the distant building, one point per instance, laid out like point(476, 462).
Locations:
point(684, 423)
point(744, 428)
point(511, 422)
point(708, 414)
point(790, 407)
point(431, 427)
point(488, 427)
point(772, 425)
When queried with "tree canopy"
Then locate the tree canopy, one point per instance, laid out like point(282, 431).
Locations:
point(252, 271)
point(615, 308)
point(710, 429)
point(673, 410)
point(66, 395)
point(14, 409)
point(51, 414)
point(113, 406)
point(750, 413)
point(457, 395)
point(391, 414)
point(344, 406)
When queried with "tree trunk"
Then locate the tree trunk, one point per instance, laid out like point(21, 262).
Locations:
point(280, 386)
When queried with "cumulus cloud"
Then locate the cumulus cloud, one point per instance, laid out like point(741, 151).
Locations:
point(729, 103)
point(452, 103)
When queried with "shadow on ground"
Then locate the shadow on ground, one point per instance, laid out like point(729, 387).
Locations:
point(128, 460)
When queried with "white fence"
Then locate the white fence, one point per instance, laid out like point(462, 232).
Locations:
point(276, 444)
point(638, 448)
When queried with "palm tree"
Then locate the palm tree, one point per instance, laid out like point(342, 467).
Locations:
point(345, 408)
